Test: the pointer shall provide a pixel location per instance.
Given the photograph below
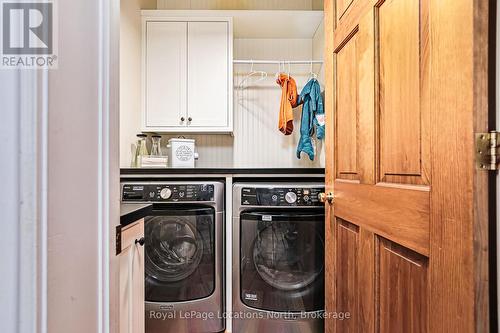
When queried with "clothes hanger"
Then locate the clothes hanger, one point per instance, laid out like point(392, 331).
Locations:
point(279, 70)
point(262, 75)
point(312, 75)
point(288, 70)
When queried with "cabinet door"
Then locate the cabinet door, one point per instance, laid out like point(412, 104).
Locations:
point(208, 74)
point(166, 72)
point(132, 280)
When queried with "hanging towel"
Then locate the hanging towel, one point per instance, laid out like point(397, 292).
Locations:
point(313, 117)
point(288, 102)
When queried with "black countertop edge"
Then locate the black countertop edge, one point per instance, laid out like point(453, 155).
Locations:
point(207, 171)
point(130, 213)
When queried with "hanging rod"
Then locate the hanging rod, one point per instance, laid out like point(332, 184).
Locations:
point(286, 62)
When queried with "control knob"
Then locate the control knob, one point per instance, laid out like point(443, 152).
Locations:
point(165, 193)
point(291, 197)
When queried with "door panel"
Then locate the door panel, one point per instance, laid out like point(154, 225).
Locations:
point(347, 260)
point(399, 214)
point(399, 88)
point(402, 84)
point(208, 74)
point(387, 246)
point(342, 6)
point(166, 73)
point(402, 282)
point(354, 253)
point(353, 59)
point(347, 104)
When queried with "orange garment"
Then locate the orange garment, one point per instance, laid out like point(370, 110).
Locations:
point(288, 102)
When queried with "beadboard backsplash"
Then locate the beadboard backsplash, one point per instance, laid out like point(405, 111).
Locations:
point(257, 141)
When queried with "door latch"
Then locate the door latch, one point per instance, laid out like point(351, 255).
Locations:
point(487, 146)
point(324, 197)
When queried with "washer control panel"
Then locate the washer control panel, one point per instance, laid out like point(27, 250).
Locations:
point(167, 193)
point(292, 196)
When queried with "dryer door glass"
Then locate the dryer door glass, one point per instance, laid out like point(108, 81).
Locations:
point(180, 253)
point(282, 260)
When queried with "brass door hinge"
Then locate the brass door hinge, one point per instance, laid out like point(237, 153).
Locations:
point(487, 145)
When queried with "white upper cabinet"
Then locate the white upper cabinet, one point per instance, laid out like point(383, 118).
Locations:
point(187, 74)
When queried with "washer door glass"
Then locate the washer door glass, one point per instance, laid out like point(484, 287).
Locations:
point(179, 254)
point(282, 260)
point(175, 248)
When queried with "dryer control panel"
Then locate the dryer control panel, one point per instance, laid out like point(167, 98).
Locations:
point(167, 192)
point(281, 196)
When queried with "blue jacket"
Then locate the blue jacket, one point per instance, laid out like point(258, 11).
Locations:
point(313, 115)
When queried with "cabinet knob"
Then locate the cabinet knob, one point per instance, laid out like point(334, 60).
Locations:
point(182, 118)
point(190, 119)
point(140, 241)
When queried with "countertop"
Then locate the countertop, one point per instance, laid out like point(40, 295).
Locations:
point(129, 213)
point(211, 171)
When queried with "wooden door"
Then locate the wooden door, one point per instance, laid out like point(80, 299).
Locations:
point(165, 82)
point(208, 74)
point(407, 231)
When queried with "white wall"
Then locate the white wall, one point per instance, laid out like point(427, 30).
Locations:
point(73, 202)
point(318, 50)
point(130, 74)
point(241, 4)
point(317, 4)
point(83, 175)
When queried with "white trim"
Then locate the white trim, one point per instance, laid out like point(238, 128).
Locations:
point(228, 255)
point(26, 213)
point(33, 168)
point(28, 242)
point(44, 132)
point(107, 31)
point(101, 218)
point(112, 279)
